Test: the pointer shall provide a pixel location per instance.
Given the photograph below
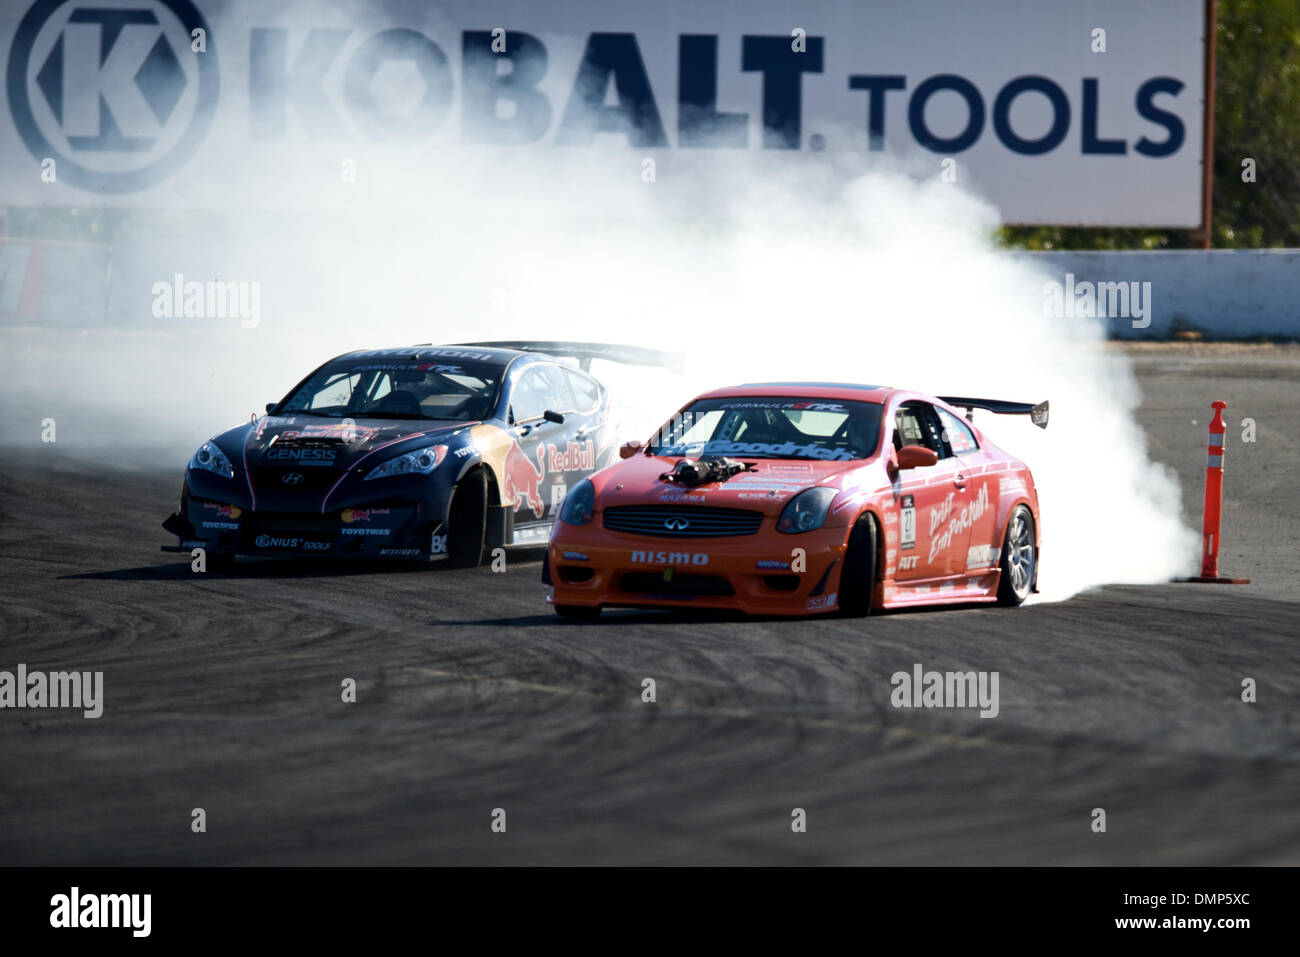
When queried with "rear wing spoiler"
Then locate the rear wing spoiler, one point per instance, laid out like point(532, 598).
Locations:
point(1037, 413)
point(584, 352)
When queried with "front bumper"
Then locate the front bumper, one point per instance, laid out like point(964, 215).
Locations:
point(397, 530)
point(767, 573)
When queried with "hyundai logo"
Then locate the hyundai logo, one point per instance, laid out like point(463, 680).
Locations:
point(292, 478)
point(677, 524)
point(120, 97)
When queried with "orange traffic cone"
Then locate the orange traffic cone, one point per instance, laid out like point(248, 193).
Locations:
point(1210, 537)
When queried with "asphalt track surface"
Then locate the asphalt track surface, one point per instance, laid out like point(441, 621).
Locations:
point(222, 692)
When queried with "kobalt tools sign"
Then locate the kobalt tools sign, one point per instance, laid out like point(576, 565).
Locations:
point(1058, 112)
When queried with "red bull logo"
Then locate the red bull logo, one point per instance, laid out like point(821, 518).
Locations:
point(224, 511)
point(580, 457)
point(350, 515)
point(522, 481)
point(344, 432)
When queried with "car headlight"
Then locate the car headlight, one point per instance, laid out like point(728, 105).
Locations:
point(579, 505)
point(806, 511)
point(419, 462)
point(212, 459)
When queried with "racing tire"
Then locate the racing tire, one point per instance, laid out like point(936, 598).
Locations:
point(581, 612)
point(1019, 559)
point(858, 579)
point(467, 521)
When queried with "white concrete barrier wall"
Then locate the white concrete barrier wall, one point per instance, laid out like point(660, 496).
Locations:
point(1223, 294)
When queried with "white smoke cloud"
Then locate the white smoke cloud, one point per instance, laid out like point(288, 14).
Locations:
point(755, 267)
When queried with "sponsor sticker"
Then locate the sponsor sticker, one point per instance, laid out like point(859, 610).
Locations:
point(524, 536)
point(796, 405)
point(343, 432)
point(981, 556)
point(782, 449)
point(907, 523)
point(350, 515)
point(300, 456)
point(670, 558)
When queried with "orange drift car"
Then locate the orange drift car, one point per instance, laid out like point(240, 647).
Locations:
point(801, 498)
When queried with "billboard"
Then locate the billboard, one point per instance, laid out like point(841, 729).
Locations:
point(1057, 112)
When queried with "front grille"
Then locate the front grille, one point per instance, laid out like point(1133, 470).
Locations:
point(314, 478)
point(649, 583)
point(291, 522)
point(695, 521)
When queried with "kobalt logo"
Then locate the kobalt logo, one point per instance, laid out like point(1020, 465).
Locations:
point(118, 96)
point(670, 558)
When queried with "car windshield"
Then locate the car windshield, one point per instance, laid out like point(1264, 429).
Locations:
point(398, 388)
point(773, 427)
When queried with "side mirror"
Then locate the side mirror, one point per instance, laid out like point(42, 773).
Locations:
point(629, 449)
point(916, 457)
point(555, 417)
point(269, 407)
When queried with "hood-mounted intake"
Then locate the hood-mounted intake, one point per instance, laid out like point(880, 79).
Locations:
point(692, 472)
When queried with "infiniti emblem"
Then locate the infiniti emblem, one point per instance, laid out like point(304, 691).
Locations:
point(676, 524)
point(292, 478)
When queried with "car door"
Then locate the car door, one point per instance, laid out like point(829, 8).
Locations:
point(535, 476)
point(982, 537)
point(932, 540)
point(592, 444)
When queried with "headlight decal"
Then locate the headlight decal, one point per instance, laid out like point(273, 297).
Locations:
point(579, 505)
point(210, 458)
point(420, 462)
point(807, 511)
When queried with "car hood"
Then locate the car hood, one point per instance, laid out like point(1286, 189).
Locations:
point(321, 442)
point(294, 462)
point(772, 483)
